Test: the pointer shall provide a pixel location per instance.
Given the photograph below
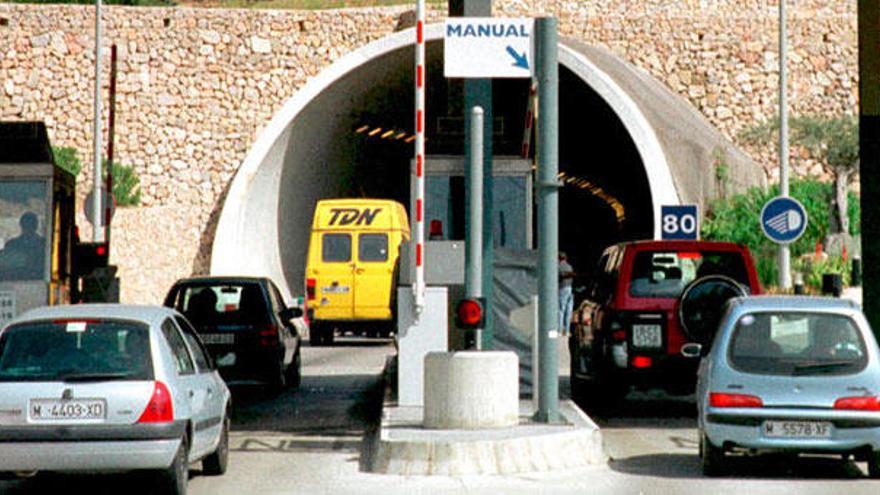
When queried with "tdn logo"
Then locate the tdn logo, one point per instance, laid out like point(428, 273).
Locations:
point(353, 216)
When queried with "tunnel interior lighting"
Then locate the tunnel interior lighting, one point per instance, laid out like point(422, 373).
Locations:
point(586, 185)
point(374, 132)
point(362, 129)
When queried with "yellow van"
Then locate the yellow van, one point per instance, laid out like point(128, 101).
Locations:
point(352, 267)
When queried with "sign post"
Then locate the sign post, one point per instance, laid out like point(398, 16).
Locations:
point(547, 75)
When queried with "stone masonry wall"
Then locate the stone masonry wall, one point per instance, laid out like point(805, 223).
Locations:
point(197, 85)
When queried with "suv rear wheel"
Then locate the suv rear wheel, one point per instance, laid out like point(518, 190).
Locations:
point(874, 464)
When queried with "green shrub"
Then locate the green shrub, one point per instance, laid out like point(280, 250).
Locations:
point(126, 185)
point(812, 269)
point(737, 219)
point(67, 159)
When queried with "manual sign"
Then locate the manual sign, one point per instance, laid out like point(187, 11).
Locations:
point(488, 47)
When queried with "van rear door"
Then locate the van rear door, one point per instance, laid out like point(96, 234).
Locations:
point(335, 291)
point(374, 270)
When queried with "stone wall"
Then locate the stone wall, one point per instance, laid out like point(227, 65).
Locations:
point(197, 85)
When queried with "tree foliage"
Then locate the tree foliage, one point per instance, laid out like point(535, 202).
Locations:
point(737, 219)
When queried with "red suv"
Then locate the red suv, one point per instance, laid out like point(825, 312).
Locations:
point(629, 329)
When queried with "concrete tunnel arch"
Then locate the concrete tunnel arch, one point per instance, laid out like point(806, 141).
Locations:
point(252, 239)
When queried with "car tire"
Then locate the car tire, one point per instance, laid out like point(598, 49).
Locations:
point(294, 371)
point(174, 478)
point(329, 334)
point(215, 464)
point(711, 458)
point(277, 380)
point(315, 335)
point(874, 464)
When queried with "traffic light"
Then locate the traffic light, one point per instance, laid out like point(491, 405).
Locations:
point(470, 313)
point(90, 255)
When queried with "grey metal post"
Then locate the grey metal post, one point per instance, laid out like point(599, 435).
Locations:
point(547, 76)
point(784, 253)
point(478, 92)
point(474, 271)
point(97, 205)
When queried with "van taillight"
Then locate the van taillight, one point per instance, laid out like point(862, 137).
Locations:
point(310, 288)
point(865, 403)
point(734, 400)
point(268, 335)
point(160, 408)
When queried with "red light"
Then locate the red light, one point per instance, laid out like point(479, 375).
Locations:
point(268, 335)
point(734, 400)
point(310, 288)
point(689, 255)
point(160, 408)
point(469, 312)
point(642, 362)
point(858, 403)
point(81, 322)
point(101, 250)
point(618, 335)
point(436, 229)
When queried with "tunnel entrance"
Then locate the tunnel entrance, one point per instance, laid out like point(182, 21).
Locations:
point(353, 136)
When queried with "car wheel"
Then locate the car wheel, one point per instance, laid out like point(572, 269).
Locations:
point(174, 478)
point(315, 335)
point(294, 371)
point(329, 333)
point(874, 464)
point(215, 464)
point(711, 457)
point(278, 379)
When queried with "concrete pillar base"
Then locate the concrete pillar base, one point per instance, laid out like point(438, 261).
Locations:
point(471, 390)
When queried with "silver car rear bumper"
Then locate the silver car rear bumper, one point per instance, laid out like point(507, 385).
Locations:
point(852, 430)
point(87, 456)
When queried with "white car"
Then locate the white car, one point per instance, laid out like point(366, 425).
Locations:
point(105, 387)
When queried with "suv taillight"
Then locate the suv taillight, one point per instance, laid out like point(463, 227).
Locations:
point(160, 408)
point(734, 400)
point(268, 335)
point(867, 403)
point(310, 288)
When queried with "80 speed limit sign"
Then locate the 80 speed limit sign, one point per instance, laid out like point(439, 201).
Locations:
point(679, 222)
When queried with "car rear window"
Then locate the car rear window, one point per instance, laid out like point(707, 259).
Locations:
point(665, 274)
point(223, 305)
point(92, 350)
point(797, 344)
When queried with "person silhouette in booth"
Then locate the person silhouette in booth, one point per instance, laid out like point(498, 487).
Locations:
point(24, 257)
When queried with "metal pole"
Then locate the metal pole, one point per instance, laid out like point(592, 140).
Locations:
point(474, 270)
point(111, 139)
point(478, 92)
point(784, 254)
point(97, 205)
point(547, 75)
point(419, 234)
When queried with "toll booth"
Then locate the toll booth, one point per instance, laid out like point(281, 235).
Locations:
point(36, 221)
point(445, 200)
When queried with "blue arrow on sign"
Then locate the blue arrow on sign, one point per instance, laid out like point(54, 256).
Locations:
point(518, 60)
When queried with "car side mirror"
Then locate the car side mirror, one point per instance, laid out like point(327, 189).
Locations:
point(290, 313)
point(692, 350)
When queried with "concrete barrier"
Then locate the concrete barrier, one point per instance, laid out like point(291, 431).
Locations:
point(471, 390)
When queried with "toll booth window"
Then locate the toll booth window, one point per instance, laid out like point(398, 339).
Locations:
point(23, 229)
point(336, 248)
point(373, 247)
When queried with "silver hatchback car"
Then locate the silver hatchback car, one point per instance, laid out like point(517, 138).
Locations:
point(107, 388)
point(790, 374)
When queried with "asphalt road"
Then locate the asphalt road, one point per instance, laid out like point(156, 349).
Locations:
point(310, 441)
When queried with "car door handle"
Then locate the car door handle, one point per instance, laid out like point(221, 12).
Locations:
point(210, 391)
point(359, 270)
point(192, 394)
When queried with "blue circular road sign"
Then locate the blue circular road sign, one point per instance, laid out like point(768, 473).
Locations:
point(783, 220)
